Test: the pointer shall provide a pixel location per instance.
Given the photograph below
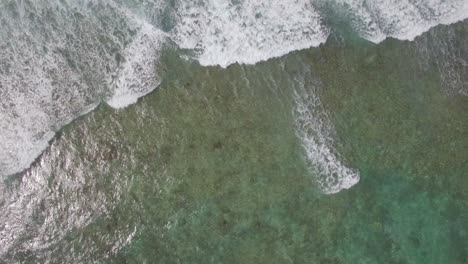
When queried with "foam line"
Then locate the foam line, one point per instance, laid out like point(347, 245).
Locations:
point(316, 134)
point(56, 68)
point(138, 75)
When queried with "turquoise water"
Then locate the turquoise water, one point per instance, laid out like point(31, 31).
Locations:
point(209, 167)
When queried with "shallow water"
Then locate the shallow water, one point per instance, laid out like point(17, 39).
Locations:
point(60, 59)
point(351, 152)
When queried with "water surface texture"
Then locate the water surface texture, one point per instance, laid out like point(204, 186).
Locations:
point(233, 131)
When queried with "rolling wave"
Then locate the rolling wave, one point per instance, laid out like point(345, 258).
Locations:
point(59, 59)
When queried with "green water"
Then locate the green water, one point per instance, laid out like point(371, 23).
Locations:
point(208, 168)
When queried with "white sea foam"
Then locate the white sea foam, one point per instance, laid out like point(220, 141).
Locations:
point(137, 76)
point(316, 133)
point(246, 31)
point(55, 68)
point(226, 32)
point(403, 19)
point(34, 92)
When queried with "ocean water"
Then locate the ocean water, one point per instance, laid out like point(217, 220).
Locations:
point(233, 132)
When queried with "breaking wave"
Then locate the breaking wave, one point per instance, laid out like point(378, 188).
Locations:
point(317, 134)
point(245, 31)
point(59, 59)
